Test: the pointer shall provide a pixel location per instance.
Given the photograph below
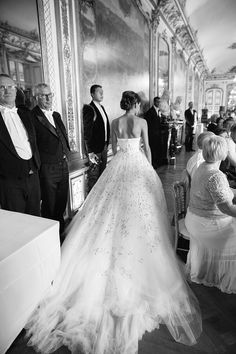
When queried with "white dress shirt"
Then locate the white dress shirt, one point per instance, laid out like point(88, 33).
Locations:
point(99, 107)
point(49, 116)
point(158, 111)
point(17, 132)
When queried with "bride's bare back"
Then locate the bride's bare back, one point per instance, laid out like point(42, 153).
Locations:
point(130, 126)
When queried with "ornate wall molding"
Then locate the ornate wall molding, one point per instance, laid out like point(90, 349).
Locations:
point(173, 43)
point(151, 13)
point(172, 11)
point(89, 3)
point(155, 19)
point(17, 40)
point(64, 21)
point(45, 24)
point(164, 35)
point(32, 35)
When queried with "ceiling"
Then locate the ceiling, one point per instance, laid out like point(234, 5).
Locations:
point(215, 22)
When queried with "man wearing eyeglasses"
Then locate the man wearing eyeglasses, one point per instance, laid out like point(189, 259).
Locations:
point(19, 157)
point(54, 150)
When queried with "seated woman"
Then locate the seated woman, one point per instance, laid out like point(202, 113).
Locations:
point(211, 222)
point(229, 165)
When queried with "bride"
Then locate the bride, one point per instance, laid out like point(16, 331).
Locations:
point(119, 276)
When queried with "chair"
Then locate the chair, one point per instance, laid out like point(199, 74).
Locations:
point(182, 236)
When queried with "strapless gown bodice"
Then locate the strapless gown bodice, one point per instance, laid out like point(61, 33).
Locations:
point(130, 145)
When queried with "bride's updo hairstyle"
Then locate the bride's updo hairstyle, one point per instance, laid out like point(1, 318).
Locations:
point(129, 99)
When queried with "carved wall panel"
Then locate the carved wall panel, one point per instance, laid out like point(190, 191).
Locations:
point(164, 65)
point(196, 91)
point(179, 78)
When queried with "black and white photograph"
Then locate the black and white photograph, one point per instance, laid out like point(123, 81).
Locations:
point(117, 176)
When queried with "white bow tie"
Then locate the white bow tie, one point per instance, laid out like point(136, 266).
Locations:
point(9, 110)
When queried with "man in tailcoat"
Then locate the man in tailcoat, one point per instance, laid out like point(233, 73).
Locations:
point(190, 117)
point(19, 157)
point(96, 135)
point(54, 151)
point(153, 118)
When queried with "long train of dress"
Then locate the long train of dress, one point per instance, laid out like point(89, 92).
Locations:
point(119, 276)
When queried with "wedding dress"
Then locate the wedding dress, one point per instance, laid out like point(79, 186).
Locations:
point(119, 276)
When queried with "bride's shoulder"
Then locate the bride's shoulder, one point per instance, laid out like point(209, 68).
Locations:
point(142, 121)
point(115, 121)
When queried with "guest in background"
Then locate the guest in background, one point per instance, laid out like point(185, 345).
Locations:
point(197, 158)
point(211, 222)
point(153, 118)
point(190, 118)
point(20, 99)
point(212, 126)
point(233, 115)
point(19, 157)
point(54, 150)
point(227, 124)
point(228, 166)
point(219, 125)
point(231, 142)
point(96, 135)
point(222, 132)
point(222, 115)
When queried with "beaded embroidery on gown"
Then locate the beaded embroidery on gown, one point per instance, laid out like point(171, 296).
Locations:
point(119, 276)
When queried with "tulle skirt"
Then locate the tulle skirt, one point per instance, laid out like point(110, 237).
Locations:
point(119, 276)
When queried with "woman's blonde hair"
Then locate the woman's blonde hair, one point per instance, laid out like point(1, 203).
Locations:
point(214, 148)
point(203, 136)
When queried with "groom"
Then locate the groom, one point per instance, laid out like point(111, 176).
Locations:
point(96, 135)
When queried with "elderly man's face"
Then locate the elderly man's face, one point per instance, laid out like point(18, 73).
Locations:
point(44, 98)
point(7, 92)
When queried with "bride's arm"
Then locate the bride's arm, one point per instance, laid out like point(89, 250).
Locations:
point(113, 138)
point(144, 135)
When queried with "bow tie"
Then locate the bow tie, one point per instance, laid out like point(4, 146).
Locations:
point(9, 110)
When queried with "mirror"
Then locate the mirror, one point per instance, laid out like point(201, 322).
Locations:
point(163, 80)
point(20, 49)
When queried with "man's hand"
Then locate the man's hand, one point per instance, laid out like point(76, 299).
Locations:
point(93, 158)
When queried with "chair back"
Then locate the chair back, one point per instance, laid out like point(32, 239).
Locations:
point(180, 192)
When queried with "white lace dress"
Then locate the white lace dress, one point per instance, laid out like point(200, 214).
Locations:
point(119, 276)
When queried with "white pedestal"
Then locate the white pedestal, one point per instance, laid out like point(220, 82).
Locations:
point(29, 259)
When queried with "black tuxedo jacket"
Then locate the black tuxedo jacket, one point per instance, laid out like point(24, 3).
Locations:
point(154, 123)
point(189, 117)
point(48, 141)
point(94, 128)
point(11, 164)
